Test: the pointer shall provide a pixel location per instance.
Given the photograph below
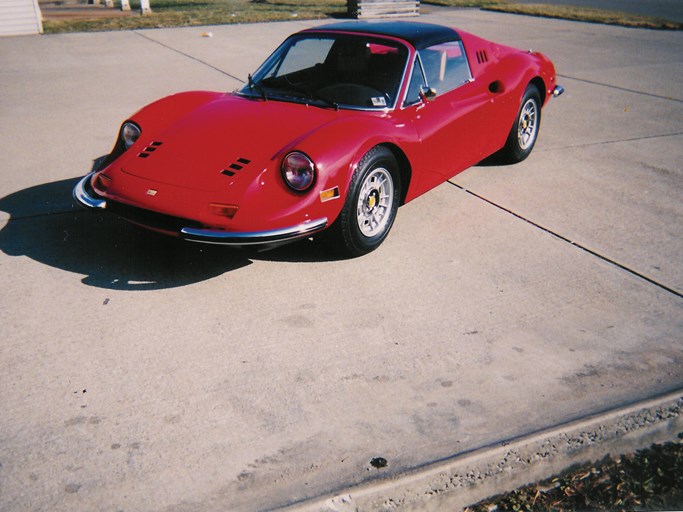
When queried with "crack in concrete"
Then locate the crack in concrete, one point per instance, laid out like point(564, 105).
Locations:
point(189, 56)
point(572, 242)
point(613, 141)
point(625, 89)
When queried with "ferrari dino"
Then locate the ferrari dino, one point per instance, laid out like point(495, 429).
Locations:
point(337, 128)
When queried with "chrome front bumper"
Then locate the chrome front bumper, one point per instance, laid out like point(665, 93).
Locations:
point(241, 239)
point(83, 197)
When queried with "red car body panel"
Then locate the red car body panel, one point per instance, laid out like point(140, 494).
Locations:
point(201, 149)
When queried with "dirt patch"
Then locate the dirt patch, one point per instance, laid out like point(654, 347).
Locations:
point(68, 11)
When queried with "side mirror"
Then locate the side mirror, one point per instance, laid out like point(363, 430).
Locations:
point(427, 93)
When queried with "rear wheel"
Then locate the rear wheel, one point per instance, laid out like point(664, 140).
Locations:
point(524, 131)
point(371, 204)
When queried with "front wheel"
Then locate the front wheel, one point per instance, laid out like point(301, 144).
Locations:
point(524, 131)
point(370, 206)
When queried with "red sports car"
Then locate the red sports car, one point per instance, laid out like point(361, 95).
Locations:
point(337, 128)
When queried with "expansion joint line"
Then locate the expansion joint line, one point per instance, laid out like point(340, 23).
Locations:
point(625, 89)
point(188, 56)
point(571, 242)
point(613, 141)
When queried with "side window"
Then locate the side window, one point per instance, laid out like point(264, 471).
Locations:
point(416, 83)
point(445, 66)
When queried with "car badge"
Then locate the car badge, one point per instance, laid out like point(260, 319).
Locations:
point(151, 192)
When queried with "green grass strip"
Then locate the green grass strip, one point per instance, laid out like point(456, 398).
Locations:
point(184, 13)
point(585, 14)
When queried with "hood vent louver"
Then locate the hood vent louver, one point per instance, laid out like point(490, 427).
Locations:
point(153, 146)
point(235, 166)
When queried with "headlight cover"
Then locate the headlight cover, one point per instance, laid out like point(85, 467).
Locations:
point(129, 134)
point(298, 171)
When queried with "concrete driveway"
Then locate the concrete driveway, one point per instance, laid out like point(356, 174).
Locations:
point(141, 373)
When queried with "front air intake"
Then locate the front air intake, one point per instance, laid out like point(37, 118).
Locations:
point(149, 149)
point(238, 165)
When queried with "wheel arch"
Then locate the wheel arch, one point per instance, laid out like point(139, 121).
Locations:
point(404, 168)
point(540, 85)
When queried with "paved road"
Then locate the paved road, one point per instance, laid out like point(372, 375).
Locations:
point(139, 373)
point(666, 9)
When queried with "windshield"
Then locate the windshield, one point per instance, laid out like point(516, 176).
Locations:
point(348, 71)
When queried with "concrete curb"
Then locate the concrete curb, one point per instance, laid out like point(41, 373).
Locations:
point(468, 478)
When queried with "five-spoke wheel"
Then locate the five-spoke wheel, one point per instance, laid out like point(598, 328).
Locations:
point(524, 131)
point(527, 125)
point(375, 202)
point(371, 204)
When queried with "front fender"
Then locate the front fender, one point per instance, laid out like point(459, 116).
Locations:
point(337, 148)
point(522, 68)
point(169, 109)
point(159, 113)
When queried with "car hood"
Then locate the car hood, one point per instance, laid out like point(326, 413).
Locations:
point(225, 140)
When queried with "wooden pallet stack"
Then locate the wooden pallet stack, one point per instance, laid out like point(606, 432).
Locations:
point(363, 9)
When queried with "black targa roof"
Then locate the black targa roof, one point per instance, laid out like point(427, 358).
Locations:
point(420, 35)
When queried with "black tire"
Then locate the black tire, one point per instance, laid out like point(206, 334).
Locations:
point(370, 206)
point(524, 131)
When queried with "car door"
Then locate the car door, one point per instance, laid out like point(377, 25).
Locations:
point(449, 109)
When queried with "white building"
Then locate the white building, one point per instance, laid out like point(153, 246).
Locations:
point(18, 17)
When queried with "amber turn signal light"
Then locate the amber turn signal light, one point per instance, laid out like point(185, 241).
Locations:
point(224, 210)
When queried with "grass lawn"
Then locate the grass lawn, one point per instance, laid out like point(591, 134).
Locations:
point(181, 13)
point(567, 12)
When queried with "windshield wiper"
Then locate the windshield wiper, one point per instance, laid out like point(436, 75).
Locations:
point(257, 87)
point(313, 96)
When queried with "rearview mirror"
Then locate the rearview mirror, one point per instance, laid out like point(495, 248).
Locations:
point(427, 93)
